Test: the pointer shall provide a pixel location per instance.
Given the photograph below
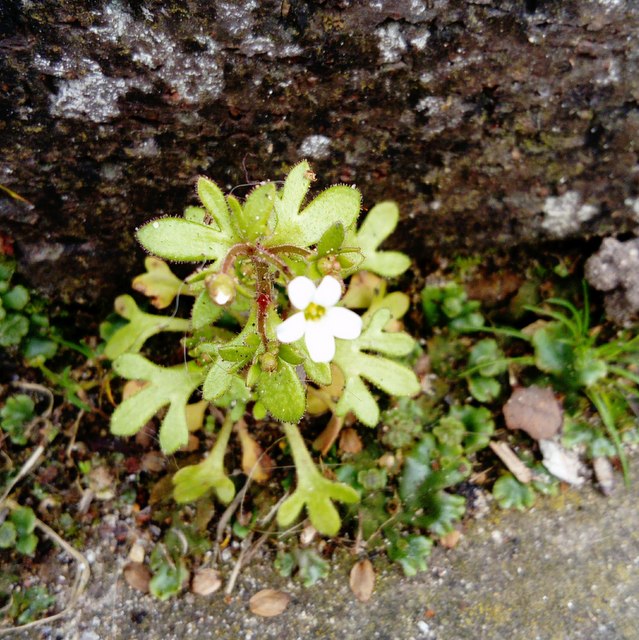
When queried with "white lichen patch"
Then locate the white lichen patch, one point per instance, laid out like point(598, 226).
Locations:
point(194, 76)
point(565, 214)
point(633, 203)
point(317, 147)
point(420, 41)
point(92, 94)
point(391, 43)
point(235, 16)
point(86, 91)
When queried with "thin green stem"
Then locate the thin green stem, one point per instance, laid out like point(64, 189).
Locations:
point(602, 403)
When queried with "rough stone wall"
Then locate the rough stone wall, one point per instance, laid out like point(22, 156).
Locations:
point(492, 122)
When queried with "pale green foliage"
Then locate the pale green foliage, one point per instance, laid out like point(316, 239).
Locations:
point(386, 374)
point(247, 253)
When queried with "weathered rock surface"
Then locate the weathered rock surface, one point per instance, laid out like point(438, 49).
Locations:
point(491, 122)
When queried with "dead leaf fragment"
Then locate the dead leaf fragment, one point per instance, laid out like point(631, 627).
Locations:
point(269, 602)
point(450, 540)
point(534, 410)
point(560, 463)
point(362, 580)
point(205, 582)
point(255, 463)
point(604, 474)
point(349, 441)
point(137, 576)
point(512, 461)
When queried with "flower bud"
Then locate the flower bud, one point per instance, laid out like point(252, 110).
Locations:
point(329, 265)
point(268, 362)
point(221, 288)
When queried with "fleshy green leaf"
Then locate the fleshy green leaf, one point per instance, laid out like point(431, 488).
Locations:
point(553, 349)
point(214, 202)
point(313, 490)
point(172, 386)
point(16, 298)
point(282, 392)
point(377, 226)
point(387, 375)
point(304, 228)
point(332, 240)
point(183, 240)
point(141, 326)
point(204, 312)
point(256, 212)
point(195, 481)
point(484, 389)
point(478, 424)
point(8, 535)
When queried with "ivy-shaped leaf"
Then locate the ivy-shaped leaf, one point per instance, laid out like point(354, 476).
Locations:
point(411, 553)
point(158, 283)
point(141, 326)
point(388, 375)
point(377, 226)
point(512, 494)
point(313, 490)
point(339, 203)
point(172, 386)
point(426, 473)
point(196, 480)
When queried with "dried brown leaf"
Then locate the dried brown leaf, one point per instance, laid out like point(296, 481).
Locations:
point(450, 540)
point(512, 462)
point(362, 580)
point(269, 602)
point(137, 576)
point(255, 463)
point(205, 582)
point(349, 441)
point(534, 410)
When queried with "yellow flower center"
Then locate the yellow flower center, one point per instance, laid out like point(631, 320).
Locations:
point(314, 311)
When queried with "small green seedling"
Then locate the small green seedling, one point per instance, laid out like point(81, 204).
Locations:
point(15, 416)
point(17, 531)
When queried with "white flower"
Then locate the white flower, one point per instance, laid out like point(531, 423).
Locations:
point(318, 320)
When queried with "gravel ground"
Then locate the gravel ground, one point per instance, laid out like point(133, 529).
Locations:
point(568, 569)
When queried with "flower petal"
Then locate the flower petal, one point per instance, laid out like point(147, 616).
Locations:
point(319, 341)
point(344, 323)
point(328, 292)
point(291, 329)
point(301, 291)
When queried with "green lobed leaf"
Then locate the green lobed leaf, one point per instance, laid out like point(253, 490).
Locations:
point(411, 553)
point(377, 226)
point(158, 283)
point(484, 389)
point(388, 375)
point(509, 493)
point(313, 490)
point(554, 351)
point(183, 240)
point(141, 326)
point(304, 228)
point(167, 386)
point(488, 358)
